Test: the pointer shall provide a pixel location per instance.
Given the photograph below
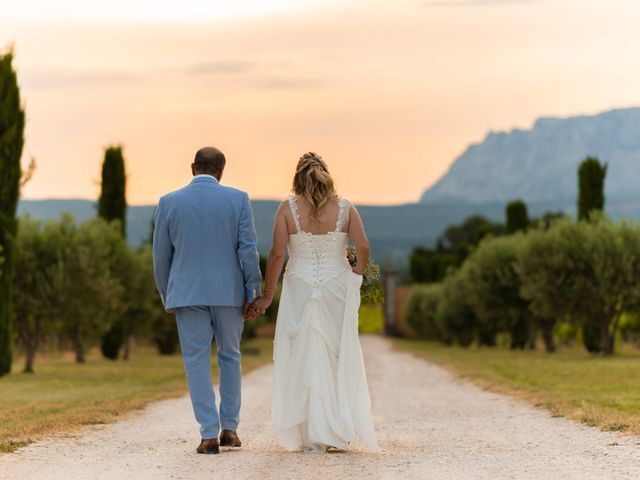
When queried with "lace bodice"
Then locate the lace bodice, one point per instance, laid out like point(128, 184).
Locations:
point(316, 258)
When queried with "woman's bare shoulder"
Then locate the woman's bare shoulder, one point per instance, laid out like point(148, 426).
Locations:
point(285, 209)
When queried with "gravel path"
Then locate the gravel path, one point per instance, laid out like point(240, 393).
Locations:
point(430, 425)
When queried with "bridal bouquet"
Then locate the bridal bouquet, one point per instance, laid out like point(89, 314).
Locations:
point(371, 290)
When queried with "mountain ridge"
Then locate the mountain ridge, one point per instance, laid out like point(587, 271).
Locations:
point(540, 163)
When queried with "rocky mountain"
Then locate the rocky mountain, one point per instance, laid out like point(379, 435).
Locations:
point(540, 164)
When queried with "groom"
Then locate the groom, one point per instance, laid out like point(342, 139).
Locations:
point(206, 268)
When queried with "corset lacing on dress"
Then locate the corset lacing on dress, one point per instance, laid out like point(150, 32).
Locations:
point(317, 258)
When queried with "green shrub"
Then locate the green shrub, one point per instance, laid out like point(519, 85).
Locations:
point(421, 310)
point(586, 272)
point(493, 290)
point(630, 327)
point(566, 332)
point(591, 338)
point(517, 216)
point(111, 341)
point(455, 318)
point(165, 334)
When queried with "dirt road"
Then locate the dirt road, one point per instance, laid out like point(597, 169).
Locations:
point(430, 425)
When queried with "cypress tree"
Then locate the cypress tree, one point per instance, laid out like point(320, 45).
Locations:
point(517, 216)
point(591, 176)
point(11, 143)
point(112, 204)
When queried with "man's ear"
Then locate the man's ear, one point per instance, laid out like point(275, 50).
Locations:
point(193, 169)
point(219, 176)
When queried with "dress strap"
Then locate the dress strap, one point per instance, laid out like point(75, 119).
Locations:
point(294, 211)
point(342, 214)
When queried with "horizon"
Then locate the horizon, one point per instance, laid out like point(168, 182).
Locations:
point(390, 96)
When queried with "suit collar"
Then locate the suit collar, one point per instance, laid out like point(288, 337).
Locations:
point(204, 179)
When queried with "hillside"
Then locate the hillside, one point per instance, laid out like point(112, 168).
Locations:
point(540, 164)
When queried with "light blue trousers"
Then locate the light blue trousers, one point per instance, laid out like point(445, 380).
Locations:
point(197, 327)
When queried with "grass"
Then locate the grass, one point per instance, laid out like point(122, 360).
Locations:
point(370, 319)
point(600, 392)
point(63, 396)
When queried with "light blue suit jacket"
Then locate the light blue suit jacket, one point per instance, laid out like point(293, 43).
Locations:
point(204, 246)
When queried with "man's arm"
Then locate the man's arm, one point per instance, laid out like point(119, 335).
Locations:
point(162, 252)
point(248, 252)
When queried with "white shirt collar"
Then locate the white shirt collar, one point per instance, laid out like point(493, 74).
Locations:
point(205, 175)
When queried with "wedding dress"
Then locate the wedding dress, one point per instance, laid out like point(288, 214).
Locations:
point(321, 396)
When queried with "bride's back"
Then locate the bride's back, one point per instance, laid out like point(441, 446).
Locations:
point(326, 220)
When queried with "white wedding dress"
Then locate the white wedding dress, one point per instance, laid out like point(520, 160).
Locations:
point(321, 397)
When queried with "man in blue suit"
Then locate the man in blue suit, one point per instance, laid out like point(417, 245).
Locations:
point(206, 268)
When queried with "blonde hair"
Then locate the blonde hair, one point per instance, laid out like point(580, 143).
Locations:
point(313, 182)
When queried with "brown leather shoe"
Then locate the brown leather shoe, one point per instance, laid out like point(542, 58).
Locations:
point(229, 438)
point(208, 446)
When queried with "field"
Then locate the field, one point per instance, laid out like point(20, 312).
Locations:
point(63, 396)
point(370, 319)
point(601, 392)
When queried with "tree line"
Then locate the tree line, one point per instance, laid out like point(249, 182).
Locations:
point(65, 285)
point(530, 279)
point(82, 285)
point(77, 286)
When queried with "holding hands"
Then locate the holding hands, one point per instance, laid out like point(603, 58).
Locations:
point(262, 303)
point(257, 307)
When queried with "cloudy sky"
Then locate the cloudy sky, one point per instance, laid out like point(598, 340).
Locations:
point(389, 92)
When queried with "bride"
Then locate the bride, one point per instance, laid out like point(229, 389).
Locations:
point(321, 398)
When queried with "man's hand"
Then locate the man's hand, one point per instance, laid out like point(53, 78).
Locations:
point(249, 312)
point(170, 311)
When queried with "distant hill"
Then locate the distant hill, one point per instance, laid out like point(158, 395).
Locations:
point(540, 164)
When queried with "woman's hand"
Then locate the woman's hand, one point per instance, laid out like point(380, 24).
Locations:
point(261, 304)
point(356, 271)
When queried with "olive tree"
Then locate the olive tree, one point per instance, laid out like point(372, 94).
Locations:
point(493, 289)
point(455, 318)
point(421, 311)
point(34, 298)
point(88, 295)
point(586, 272)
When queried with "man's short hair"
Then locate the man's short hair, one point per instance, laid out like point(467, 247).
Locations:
point(209, 160)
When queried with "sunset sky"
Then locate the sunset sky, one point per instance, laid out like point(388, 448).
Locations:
point(388, 92)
